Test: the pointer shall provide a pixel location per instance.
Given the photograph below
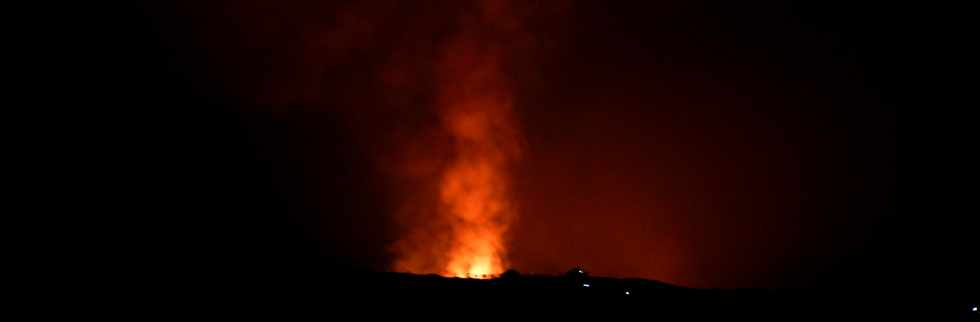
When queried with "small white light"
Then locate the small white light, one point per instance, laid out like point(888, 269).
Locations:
point(627, 292)
point(974, 309)
point(586, 285)
point(580, 271)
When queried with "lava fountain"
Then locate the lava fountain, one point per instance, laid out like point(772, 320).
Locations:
point(474, 187)
point(475, 106)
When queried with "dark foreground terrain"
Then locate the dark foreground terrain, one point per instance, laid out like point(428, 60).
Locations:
point(357, 295)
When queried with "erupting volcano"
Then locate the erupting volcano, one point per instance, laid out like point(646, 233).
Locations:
point(387, 145)
point(474, 187)
point(475, 107)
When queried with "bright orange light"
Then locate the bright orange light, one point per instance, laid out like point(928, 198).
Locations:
point(474, 209)
point(474, 188)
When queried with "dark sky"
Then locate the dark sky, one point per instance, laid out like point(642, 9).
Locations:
point(704, 144)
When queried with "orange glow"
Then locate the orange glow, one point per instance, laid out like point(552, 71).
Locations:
point(474, 192)
point(473, 206)
point(474, 187)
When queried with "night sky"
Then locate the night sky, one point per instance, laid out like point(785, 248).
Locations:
point(702, 144)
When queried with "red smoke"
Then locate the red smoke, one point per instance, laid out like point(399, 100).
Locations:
point(475, 107)
point(506, 136)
